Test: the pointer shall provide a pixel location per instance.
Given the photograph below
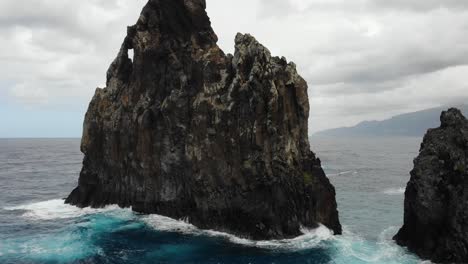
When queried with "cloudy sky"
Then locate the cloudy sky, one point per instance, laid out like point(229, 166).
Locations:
point(363, 59)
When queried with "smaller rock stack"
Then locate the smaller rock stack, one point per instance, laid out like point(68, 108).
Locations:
point(436, 198)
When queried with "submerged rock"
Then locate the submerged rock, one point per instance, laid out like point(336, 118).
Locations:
point(185, 131)
point(436, 197)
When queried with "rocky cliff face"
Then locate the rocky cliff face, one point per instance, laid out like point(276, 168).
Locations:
point(186, 131)
point(436, 198)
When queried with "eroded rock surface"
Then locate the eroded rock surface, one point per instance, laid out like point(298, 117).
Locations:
point(436, 198)
point(186, 131)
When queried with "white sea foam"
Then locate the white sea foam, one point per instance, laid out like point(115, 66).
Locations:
point(55, 209)
point(342, 173)
point(311, 238)
point(166, 224)
point(395, 191)
point(351, 248)
point(347, 248)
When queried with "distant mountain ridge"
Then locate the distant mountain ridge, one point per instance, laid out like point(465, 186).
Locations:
point(409, 124)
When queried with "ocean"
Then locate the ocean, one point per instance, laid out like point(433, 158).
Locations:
point(37, 227)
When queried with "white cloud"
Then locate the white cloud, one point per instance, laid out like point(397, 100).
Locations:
point(421, 6)
point(444, 87)
point(57, 52)
point(366, 59)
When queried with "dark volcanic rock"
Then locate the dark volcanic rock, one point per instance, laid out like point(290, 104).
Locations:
point(185, 131)
point(436, 198)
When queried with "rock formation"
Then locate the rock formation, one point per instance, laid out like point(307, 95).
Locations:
point(185, 131)
point(436, 198)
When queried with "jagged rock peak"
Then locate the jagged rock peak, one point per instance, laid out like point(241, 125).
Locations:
point(436, 197)
point(185, 131)
point(452, 118)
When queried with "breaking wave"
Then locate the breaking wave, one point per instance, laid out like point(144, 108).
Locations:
point(341, 173)
point(395, 191)
point(55, 209)
point(92, 230)
point(310, 238)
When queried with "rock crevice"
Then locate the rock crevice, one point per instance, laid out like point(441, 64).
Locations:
point(186, 131)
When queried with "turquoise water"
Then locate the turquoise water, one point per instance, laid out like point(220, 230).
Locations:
point(36, 227)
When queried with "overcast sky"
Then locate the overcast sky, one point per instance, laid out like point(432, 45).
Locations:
point(363, 59)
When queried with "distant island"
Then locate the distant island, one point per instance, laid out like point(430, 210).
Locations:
point(413, 124)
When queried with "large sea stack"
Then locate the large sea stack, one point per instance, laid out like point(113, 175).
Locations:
point(186, 131)
point(436, 198)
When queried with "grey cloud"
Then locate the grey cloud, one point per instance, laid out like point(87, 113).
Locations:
point(363, 59)
point(285, 7)
point(443, 88)
point(57, 52)
point(43, 15)
point(281, 8)
point(401, 50)
point(86, 20)
point(421, 5)
point(348, 88)
point(387, 65)
point(272, 8)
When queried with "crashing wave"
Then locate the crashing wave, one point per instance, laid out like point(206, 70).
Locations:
point(347, 248)
point(395, 191)
point(342, 173)
point(55, 209)
point(311, 238)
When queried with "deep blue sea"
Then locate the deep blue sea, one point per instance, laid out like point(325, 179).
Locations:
point(36, 226)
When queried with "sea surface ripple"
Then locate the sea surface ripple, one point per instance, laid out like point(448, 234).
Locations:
point(37, 227)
